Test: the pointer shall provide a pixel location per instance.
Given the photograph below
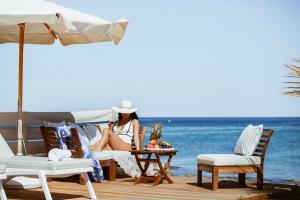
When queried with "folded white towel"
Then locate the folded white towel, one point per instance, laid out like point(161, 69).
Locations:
point(59, 154)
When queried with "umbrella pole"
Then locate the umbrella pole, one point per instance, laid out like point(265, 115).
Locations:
point(20, 89)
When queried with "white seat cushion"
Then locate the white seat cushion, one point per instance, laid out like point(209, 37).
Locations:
point(2, 169)
point(43, 163)
point(111, 154)
point(104, 155)
point(227, 159)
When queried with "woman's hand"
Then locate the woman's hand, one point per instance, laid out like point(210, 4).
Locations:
point(111, 124)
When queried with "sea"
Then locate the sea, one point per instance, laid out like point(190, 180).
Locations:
point(198, 135)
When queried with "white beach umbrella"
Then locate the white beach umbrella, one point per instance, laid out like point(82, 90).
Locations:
point(41, 22)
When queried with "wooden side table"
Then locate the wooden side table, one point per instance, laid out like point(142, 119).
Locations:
point(147, 159)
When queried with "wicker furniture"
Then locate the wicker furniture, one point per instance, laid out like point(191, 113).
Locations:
point(255, 163)
point(108, 165)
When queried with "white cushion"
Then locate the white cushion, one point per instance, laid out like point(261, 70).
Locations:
point(2, 169)
point(227, 159)
point(111, 154)
point(42, 163)
point(104, 155)
point(22, 182)
point(248, 140)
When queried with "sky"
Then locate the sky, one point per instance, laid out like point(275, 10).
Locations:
point(196, 58)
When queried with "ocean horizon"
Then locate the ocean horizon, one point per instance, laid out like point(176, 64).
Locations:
point(203, 135)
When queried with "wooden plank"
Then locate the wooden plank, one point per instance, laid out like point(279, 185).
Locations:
point(183, 188)
point(236, 169)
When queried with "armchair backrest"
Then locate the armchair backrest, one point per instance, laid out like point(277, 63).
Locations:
point(263, 145)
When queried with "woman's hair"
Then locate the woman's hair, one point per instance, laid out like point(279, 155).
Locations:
point(132, 116)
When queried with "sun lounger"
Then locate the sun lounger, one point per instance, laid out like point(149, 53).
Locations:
point(43, 168)
point(236, 164)
point(2, 177)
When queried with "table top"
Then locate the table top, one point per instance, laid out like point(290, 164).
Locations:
point(156, 151)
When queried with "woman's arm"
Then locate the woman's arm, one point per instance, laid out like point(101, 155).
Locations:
point(136, 130)
point(111, 124)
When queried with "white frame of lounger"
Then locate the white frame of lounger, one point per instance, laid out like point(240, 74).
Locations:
point(2, 192)
point(43, 174)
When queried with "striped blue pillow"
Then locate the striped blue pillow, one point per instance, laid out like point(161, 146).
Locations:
point(53, 124)
point(248, 140)
point(90, 131)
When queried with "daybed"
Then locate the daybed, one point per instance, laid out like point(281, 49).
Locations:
point(105, 158)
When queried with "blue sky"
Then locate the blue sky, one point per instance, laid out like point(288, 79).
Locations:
point(178, 58)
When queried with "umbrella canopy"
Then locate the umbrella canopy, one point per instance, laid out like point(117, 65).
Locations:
point(41, 22)
point(46, 22)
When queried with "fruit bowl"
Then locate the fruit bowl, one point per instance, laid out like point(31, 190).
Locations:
point(158, 145)
point(160, 149)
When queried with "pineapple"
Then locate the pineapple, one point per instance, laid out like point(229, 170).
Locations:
point(156, 131)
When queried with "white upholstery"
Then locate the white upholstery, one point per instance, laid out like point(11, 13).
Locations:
point(227, 159)
point(2, 169)
point(104, 155)
point(43, 163)
point(110, 154)
point(248, 140)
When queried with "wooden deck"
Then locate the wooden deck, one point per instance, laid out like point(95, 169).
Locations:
point(123, 189)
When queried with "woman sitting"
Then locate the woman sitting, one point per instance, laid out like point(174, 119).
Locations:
point(119, 134)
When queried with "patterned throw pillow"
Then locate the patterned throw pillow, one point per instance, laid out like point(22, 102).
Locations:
point(248, 140)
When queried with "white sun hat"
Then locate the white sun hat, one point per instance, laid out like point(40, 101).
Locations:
point(125, 107)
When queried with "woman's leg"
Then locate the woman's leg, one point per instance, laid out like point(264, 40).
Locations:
point(104, 140)
point(107, 147)
point(113, 140)
point(117, 143)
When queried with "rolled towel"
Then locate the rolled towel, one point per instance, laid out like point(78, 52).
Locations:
point(59, 154)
